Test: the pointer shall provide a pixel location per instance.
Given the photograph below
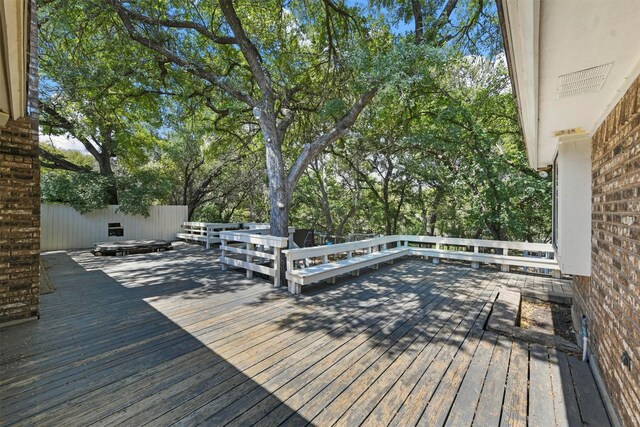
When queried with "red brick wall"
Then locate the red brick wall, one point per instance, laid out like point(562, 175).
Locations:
point(611, 299)
point(20, 206)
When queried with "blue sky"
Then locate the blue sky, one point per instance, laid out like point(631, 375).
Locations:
point(399, 28)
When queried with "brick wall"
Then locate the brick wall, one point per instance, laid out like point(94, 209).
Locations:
point(20, 205)
point(611, 297)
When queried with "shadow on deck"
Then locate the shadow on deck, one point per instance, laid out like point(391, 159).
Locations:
point(169, 338)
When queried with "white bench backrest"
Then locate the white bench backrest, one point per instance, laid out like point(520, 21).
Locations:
point(318, 251)
point(494, 244)
point(257, 239)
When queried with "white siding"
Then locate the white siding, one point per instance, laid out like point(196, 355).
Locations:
point(573, 213)
point(62, 227)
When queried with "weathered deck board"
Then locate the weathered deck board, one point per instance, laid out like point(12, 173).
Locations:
point(541, 411)
point(418, 398)
point(564, 396)
point(291, 372)
point(463, 408)
point(514, 410)
point(271, 370)
point(443, 324)
point(490, 405)
point(591, 408)
point(329, 365)
point(361, 384)
point(169, 338)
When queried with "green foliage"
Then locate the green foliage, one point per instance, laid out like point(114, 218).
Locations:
point(143, 188)
point(87, 192)
point(447, 158)
point(438, 150)
point(84, 193)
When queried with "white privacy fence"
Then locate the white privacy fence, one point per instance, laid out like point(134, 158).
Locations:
point(62, 227)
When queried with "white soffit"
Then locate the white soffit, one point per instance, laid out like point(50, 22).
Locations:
point(597, 44)
point(588, 54)
point(522, 25)
point(13, 59)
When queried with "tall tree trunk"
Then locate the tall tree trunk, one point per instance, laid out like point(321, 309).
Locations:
point(104, 162)
point(324, 201)
point(385, 199)
point(434, 211)
point(279, 196)
point(416, 9)
point(396, 215)
point(190, 210)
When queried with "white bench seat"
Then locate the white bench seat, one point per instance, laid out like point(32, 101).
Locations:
point(317, 273)
point(378, 251)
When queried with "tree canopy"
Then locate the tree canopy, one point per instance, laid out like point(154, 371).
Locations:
point(317, 114)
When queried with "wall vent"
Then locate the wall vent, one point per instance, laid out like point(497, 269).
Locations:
point(589, 80)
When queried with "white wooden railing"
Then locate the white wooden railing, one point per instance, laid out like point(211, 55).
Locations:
point(302, 263)
point(205, 232)
point(264, 231)
point(253, 251)
point(209, 232)
point(320, 254)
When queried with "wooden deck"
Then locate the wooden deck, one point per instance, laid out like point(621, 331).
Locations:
point(168, 338)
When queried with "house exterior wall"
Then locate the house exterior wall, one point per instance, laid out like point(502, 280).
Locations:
point(611, 297)
point(20, 204)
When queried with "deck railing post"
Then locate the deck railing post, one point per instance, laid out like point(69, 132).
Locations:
point(249, 259)
point(277, 265)
point(223, 254)
point(436, 260)
point(349, 256)
point(505, 267)
point(475, 264)
point(372, 249)
point(290, 266)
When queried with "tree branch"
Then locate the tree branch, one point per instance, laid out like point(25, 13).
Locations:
point(174, 23)
point(63, 123)
point(250, 53)
point(310, 151)
point(55, 161)
point(192, 68)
